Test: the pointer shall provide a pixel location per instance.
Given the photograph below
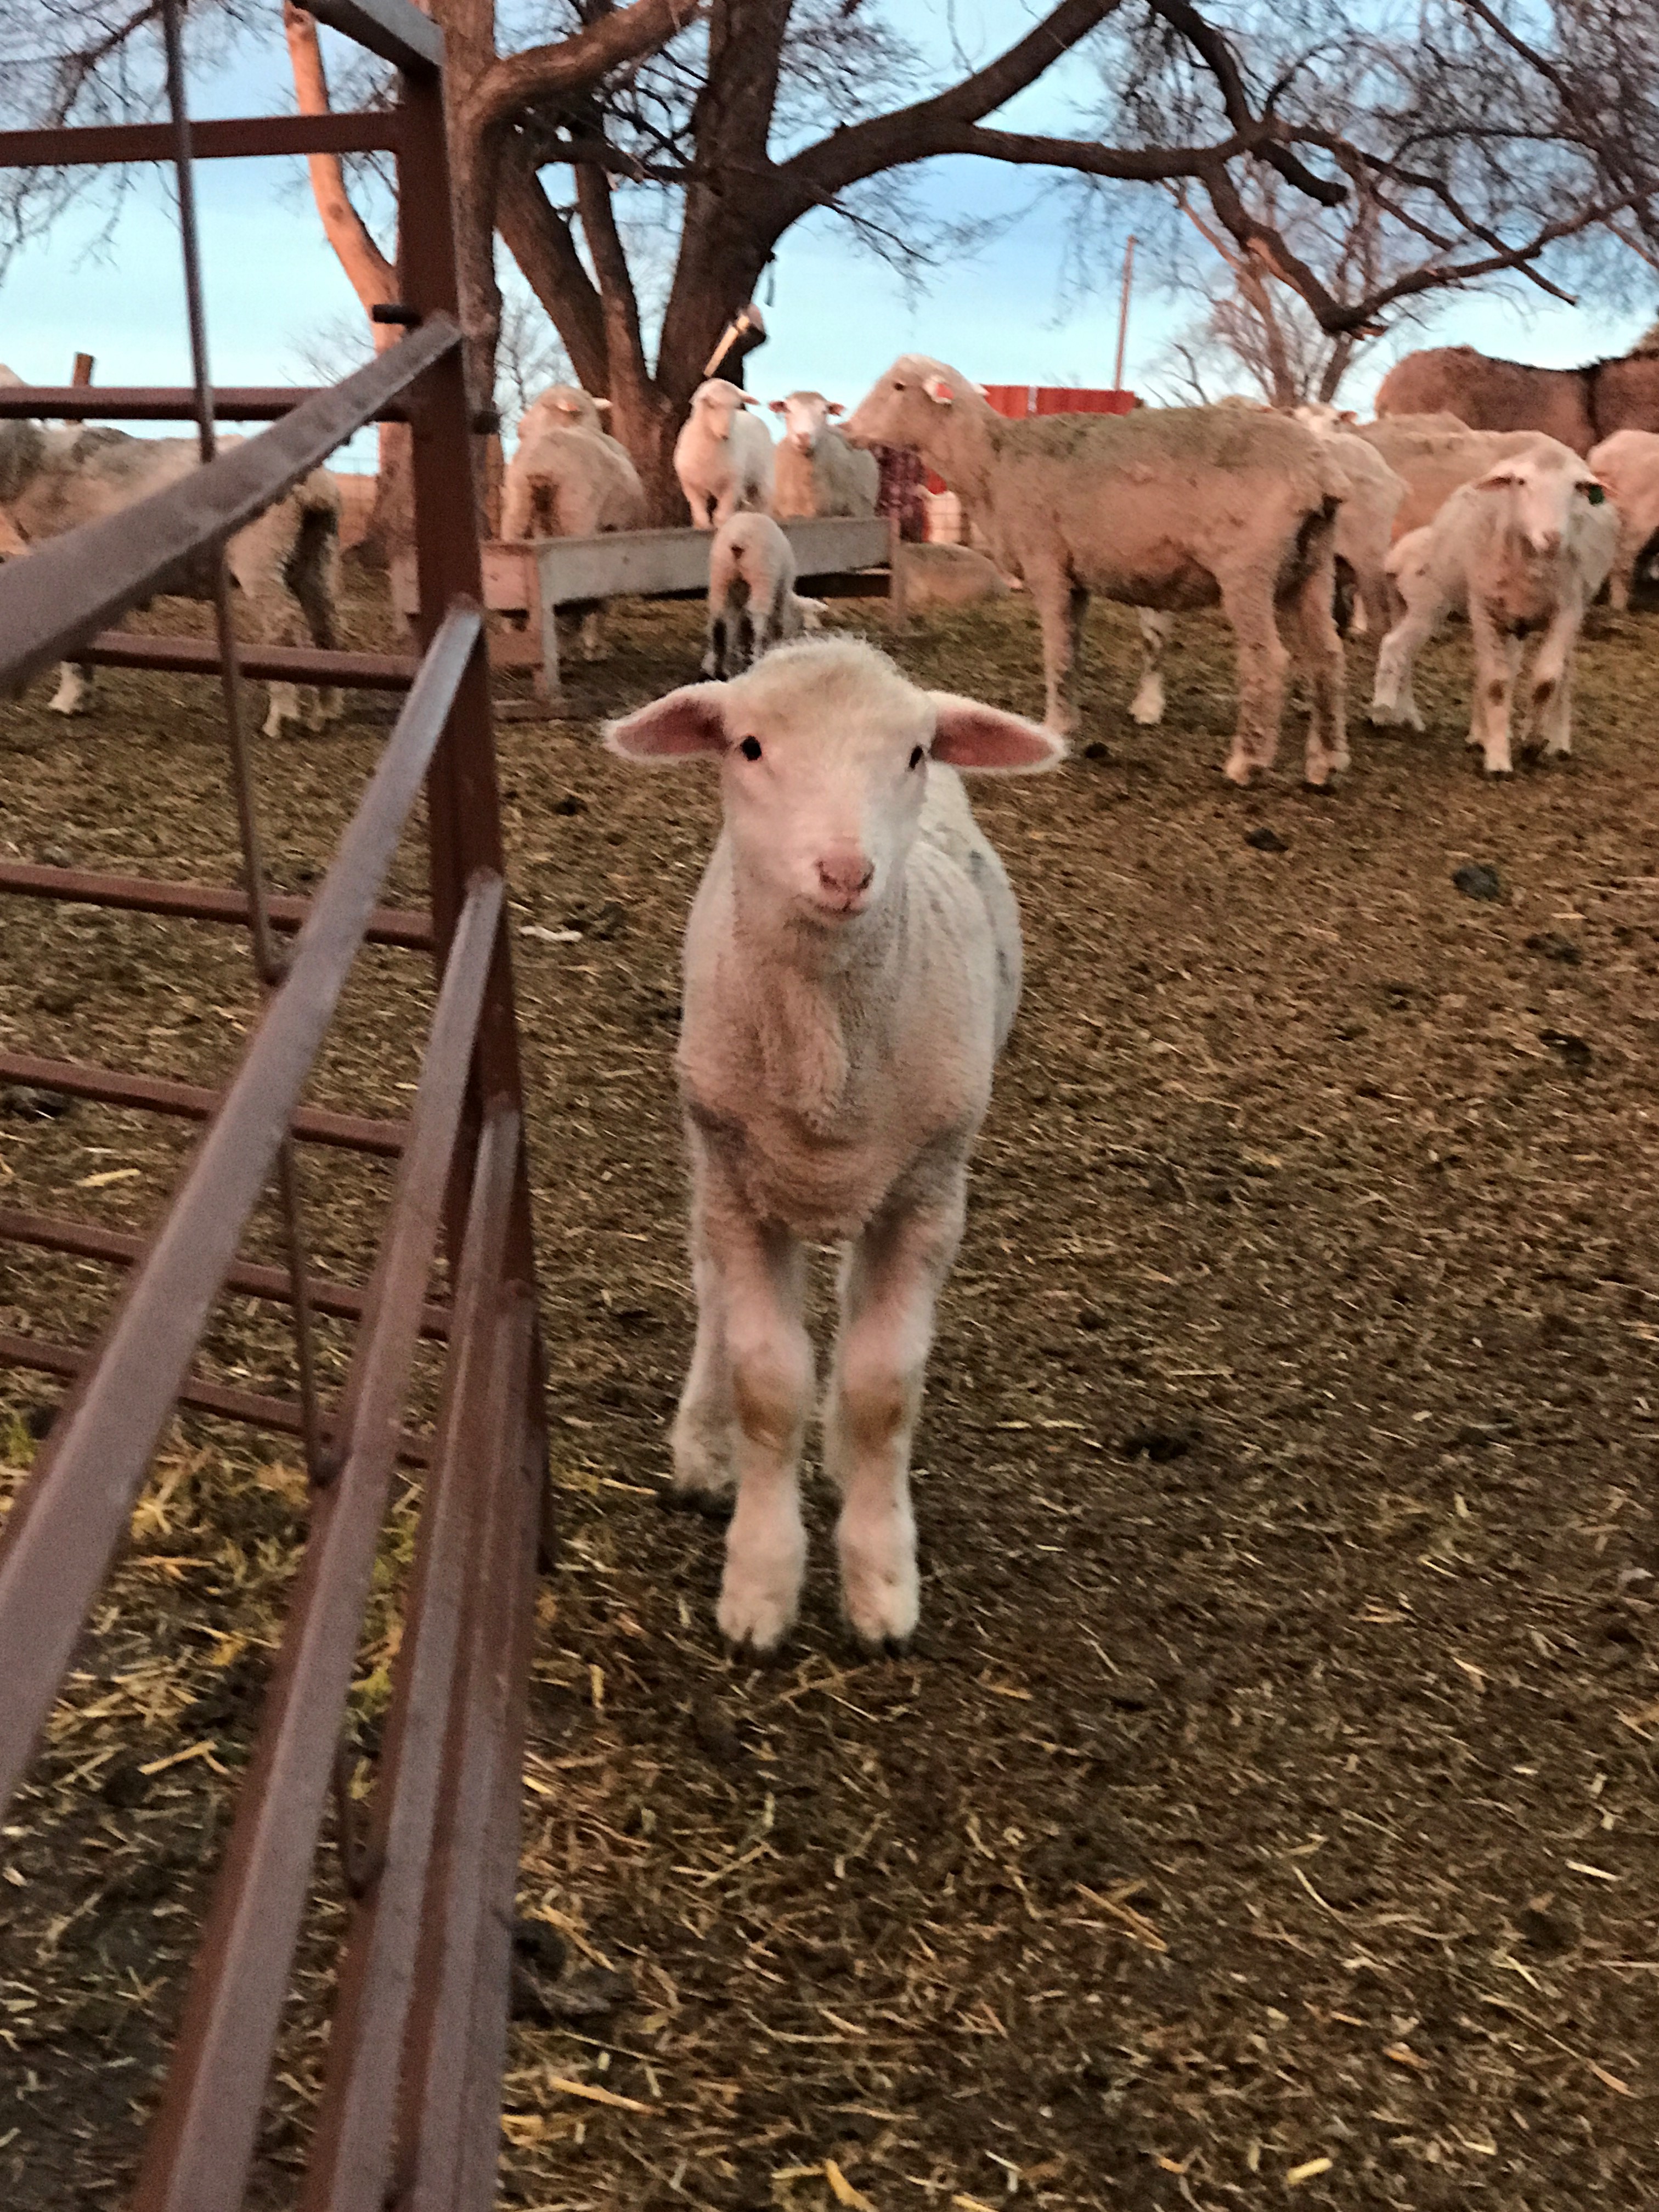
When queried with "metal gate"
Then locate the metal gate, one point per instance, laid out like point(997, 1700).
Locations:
point(409, 2107)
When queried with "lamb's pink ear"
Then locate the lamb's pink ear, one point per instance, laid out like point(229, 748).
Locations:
point(690, 720)
point(603, 406)
point(780, 406)
point(939, 390)
point(969, 734)
point(834, 407)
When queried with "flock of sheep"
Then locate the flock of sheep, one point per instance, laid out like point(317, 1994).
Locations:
point(852, 958)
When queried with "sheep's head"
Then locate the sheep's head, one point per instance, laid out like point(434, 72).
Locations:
point(906, 406)
point(1543, 492)
point(565, 407)
point(805, 419)
point(716, 403)
point(823, 749)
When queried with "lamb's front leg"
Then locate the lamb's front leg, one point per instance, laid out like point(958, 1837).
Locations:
point(1146, 708)
point(1061, 606)
point(890, 1290)
point(1551, 686)
point(74, 692)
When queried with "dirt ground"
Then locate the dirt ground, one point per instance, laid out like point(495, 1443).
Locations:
point(1266, 1810)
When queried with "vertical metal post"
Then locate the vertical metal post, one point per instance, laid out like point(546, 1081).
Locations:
point(267, 959)
point(82, 374)
point(1123, 313)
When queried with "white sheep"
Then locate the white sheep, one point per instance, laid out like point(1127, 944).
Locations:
point(569, 478)
point(723, 456)
point(1166, 507)
point(285, 563)
point(1628, 464)
point(815, 470)
point(1365, 528)
point(852, 971)
point(752, 602)
point(1525, 547)
point(945, 576)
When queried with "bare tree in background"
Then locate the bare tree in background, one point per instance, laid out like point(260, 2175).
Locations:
point(1468, 138)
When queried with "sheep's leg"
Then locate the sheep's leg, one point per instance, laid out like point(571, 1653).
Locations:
point(314, 576)
point(890, 1289)
point(1497, 663)
point(1247, 598)
point(746, 1402)
point(1392, 699)
point(1061, 606)
point(1552, 682)
point(74, 692)
point(1318, 652)
point(1146, 708)
point(593, 634)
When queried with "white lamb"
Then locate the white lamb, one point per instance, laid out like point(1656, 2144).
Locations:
point(752, 602)
point(723, 457)
point(1525, 547)
point(1167, 508)
point(816, 472)
point(569, 478)
point(1628, 464)
point(852, 971)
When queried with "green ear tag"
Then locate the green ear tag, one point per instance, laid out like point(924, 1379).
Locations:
point(1595, 495)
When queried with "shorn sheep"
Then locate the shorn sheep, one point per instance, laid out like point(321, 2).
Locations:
point(1167, 508)
point(1524, 548)
point(1435, 454)
point(723, 456)
point(569, 478)
point(852, 971)
point(815, 470)
point(1628, 465)
point(752, 605)
point(285, 563)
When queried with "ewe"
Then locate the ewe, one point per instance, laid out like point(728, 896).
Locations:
point(569, 478)
point(285, 563)
point(723, 457)
point(752, 605)
point(1168, 507)
point(1435, 454)
point(852, 969)
point(815, 470)
point(1526, 547)
point(1628, 464)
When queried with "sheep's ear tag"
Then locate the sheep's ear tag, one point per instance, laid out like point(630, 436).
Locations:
point(939, 392)
point(1595, 495)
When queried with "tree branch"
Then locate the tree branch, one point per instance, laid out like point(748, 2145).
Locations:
point(540, 240)
point(517, 82)
point(371, 275)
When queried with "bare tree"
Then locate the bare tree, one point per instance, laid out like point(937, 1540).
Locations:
point(1465, 139)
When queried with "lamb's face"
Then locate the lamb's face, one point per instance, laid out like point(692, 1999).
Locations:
point(903, 407)
point(805, 417)
point(825, 750)
point(716, 403)
point(1541, 492)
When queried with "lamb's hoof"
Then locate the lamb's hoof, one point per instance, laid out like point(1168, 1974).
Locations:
point(1241, 771)
point(753, 1617)
point(692, 1497)
point(1499, 771)
point(884, 1606)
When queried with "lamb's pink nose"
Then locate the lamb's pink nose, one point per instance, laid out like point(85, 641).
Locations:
point(846, 874)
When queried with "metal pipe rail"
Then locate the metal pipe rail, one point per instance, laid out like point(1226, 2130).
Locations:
point(415, 2054)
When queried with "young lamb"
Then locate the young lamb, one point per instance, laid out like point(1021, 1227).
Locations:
point(285, 563)
point(723, 457)
point(1167, 508)
point(752, 603)
point(852, 971)
point(1525, 547)
point(816, 472)
point(567, 407)
point(1628, 464)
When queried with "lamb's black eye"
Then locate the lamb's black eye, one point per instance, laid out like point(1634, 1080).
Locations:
point(750, 749)
point(918, 756)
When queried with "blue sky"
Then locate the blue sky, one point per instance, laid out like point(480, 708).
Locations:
point(837, 317)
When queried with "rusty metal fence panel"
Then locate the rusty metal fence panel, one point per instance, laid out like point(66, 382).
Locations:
point(409, 2106)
